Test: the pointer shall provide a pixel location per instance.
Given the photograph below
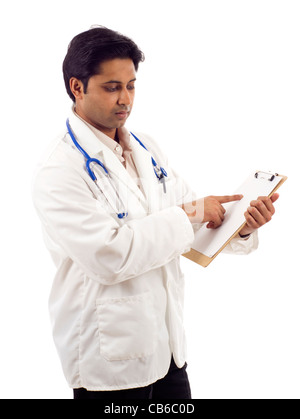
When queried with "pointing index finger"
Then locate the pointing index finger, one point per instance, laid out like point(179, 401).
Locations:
point(228, 198)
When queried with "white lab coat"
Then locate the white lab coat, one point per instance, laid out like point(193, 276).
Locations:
point(116, 303)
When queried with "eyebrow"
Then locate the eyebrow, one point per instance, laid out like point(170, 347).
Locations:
point(116, 81)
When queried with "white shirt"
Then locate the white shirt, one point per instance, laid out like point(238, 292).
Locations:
point(116, 303)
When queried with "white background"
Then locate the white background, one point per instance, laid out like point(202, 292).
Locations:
point(220, 90)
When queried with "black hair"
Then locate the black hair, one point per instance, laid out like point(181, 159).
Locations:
point(90, 48)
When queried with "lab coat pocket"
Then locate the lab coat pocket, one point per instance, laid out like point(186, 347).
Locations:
point(164, 198)
point(127, 327)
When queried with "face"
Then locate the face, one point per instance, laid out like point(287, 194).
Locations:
point(109, 98)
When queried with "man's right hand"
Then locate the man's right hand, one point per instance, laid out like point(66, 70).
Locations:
point(209, 210)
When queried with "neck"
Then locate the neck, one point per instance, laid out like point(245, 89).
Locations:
point(110, 132)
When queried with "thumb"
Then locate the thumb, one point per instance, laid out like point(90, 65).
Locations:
point(274, 197)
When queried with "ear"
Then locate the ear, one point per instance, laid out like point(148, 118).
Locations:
point(76, 87)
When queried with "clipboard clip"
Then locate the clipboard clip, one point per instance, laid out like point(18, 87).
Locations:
point(270, 176)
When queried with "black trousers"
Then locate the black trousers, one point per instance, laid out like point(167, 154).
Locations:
point(175, 385)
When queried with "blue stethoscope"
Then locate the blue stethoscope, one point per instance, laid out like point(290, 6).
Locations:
point(160, 172)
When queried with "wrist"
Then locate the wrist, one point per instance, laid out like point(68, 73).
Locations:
point(246, 231)
point(244, 236)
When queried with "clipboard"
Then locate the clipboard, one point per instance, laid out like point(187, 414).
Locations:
point(209, 243)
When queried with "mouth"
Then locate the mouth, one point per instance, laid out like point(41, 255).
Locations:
point(122, 114)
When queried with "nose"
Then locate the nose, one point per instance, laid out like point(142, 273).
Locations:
point(125, 97)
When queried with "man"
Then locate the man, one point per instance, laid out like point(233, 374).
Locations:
point(116, 228)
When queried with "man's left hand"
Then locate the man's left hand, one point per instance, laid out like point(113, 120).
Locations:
point(259, 213)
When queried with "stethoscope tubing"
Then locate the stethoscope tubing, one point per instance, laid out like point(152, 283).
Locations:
point(155, 165)
point(89, 159)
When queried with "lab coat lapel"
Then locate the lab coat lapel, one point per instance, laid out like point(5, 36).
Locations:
point(143, 163)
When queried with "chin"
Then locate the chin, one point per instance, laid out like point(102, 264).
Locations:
point(121, 124)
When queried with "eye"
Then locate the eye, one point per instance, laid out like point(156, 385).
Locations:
point(110, 89)
point(130, 87)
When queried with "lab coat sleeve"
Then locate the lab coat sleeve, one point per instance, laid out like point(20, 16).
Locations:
point(105, 250)
point(240, 246)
